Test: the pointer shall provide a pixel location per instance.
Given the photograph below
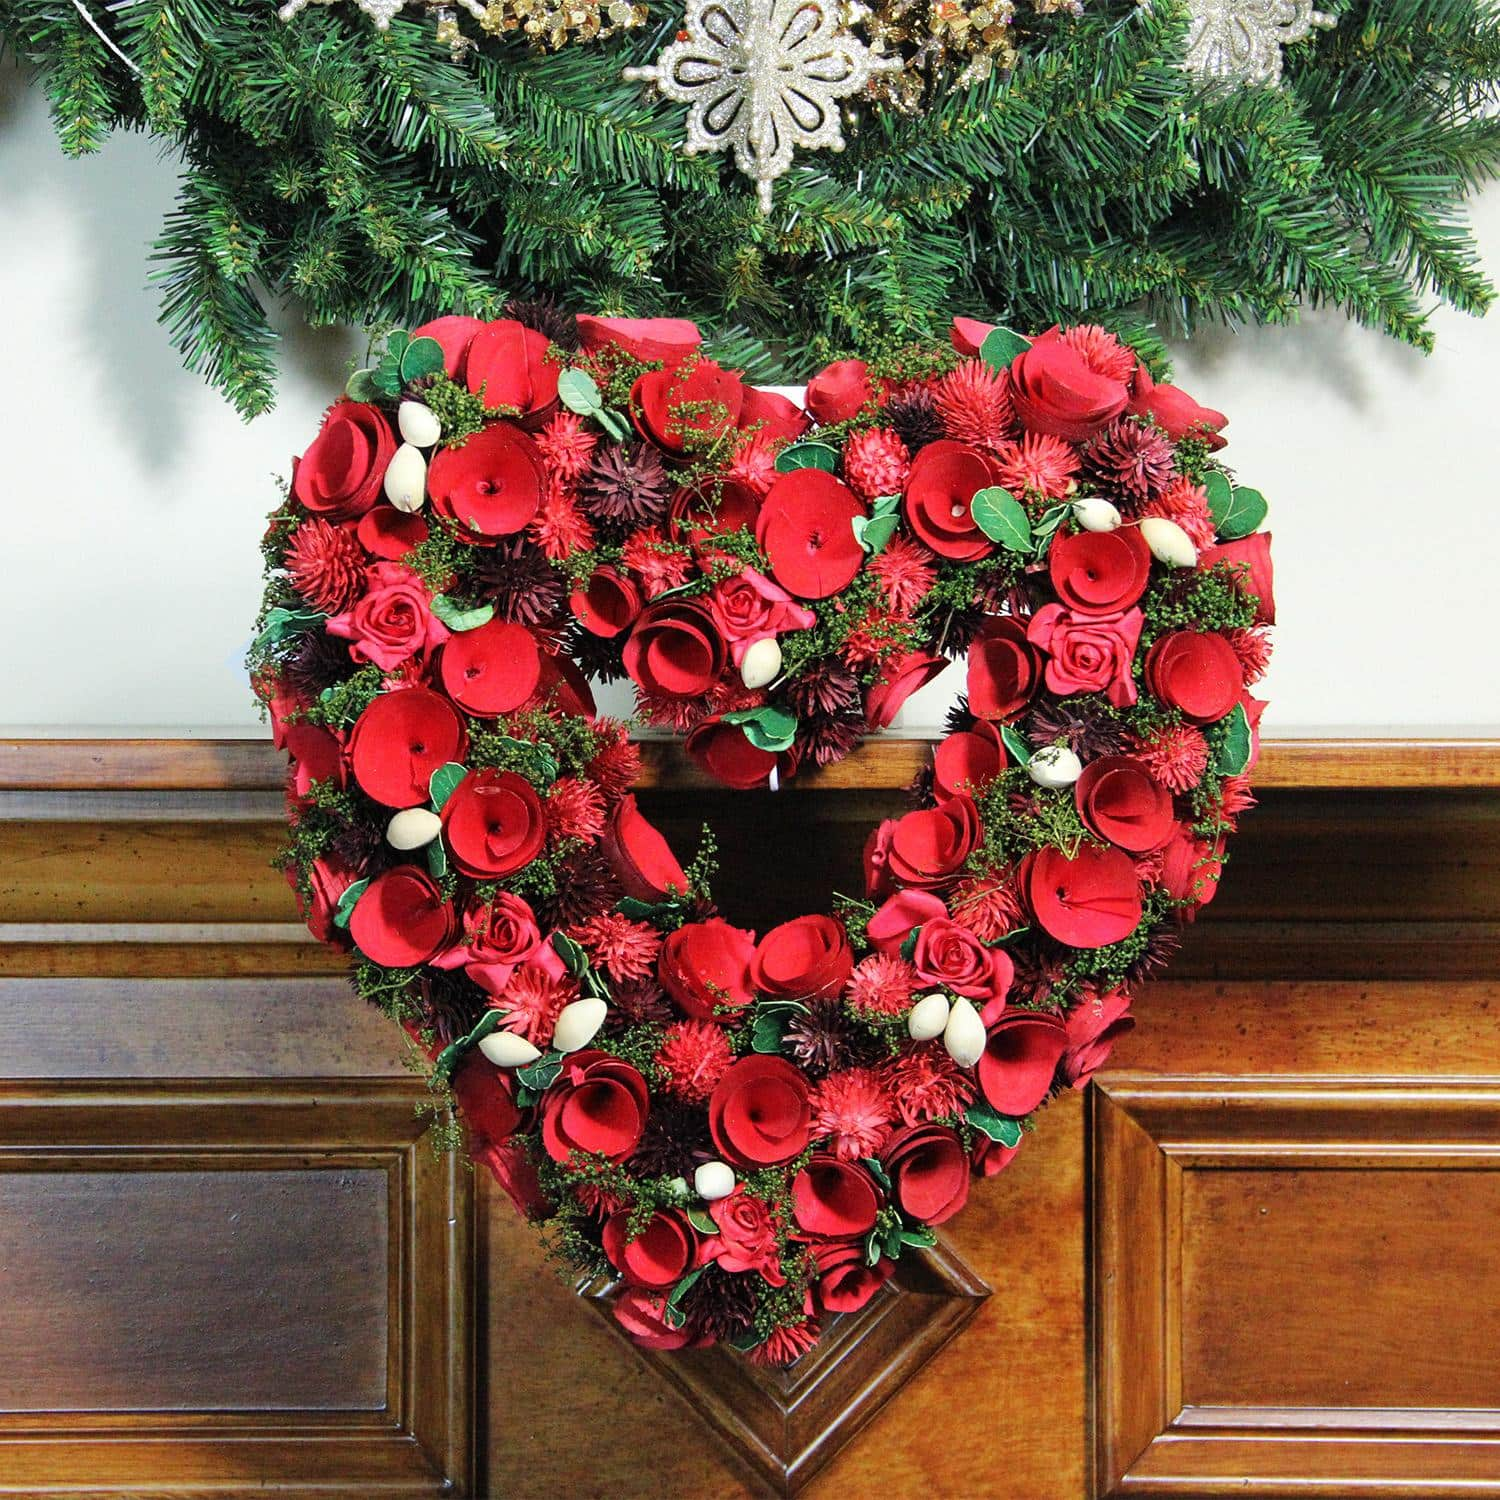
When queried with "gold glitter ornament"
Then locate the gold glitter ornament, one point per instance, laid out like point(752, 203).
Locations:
point(546, 25)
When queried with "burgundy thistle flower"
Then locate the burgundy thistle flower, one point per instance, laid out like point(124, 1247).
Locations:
point(827, 738)
point(522, 585)
point(827, 687)
point(1084, 725)
point(721, 1304)
point(973, 404)
point(675, 1140)
point(822, 1038)
point(1156, 953)
point(318, 661)
point(638, 1002)
point(913, 416)
point(326, 564)
point(1132, 460)
point(628, 483)
point(585, 887)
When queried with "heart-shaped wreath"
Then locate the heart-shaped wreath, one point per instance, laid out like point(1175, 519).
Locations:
point(748, 1132)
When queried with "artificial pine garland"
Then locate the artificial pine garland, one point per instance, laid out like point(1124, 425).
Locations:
point(372, 178)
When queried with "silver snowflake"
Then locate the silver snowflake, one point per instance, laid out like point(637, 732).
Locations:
point(1241, 40)
point(763, 78)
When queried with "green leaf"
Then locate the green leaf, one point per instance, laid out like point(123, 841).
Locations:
point(579, 392)
point(767, 1030)
point(1017, 744)
point(701, 1221)
point(361, 386)
point(1001, 346)
point(451, 1055)
point(395, 344)
point(886, 505)
point(767, 728)
point(678, 1292)
point(387, 377)
point(437, 859)
point(457, 618)
point(1002, 518)
point(1220, 492)
point(421, 358)
point(1046, 527)
point(872, 1247)
point(345, 908)
point(909, 943)
point(920, 1238)
point(807, 456)
point(538, 763)
point(441, 783)
point(573, 956)
point(873, 532)
point(541, 1074)
point(877, 1170)
point(1000, 1128)
point(1233, 755)
point(1246, 510)
point(282, 622)
point(613, 423)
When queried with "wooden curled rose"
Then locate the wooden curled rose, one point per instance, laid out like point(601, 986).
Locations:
point(746, 1128)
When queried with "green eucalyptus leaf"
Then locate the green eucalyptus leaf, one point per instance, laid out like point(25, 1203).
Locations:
point(282, 622)
point(1219, 490)
point(920, 1238)
point(1000, 347)
point(345, 908)
point(808, 455)
point(997, 1127)
point(459, 619)
point(441, 784)
point(877, 1170)
point(421, 358)
point(874, 533)
point(396, 342)
point(1002, 518)
point(1018, 746)
point(437, 859)
point(1233, 755)
point(572, 955)
point(361, 386)
point(579, 392)
point(541, 1074)
point(767, 728)
point(449, 1058)
point(613, 423)
point(1246, 510)
point(1046, 527)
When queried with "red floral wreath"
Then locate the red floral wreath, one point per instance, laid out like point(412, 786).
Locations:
point(748, 1131)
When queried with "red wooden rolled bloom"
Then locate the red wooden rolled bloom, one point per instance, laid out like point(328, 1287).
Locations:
point(597, 1104)
point(400, 740)
point(491, 670)
point(1120, 800)
point(806, 957)
point(493, 823)
point(675, 650)
point(1197, 672)
point(511, 366)
point(945, 476)
point(834, 1199)
point(1100, 572)
point(402, 920)
point(1086, 901)
point(758, 1113)
point(1020, 1059)
point(929, 1172)
point(659, 1256)
point(1005, 670)
point(806, 525)
point(490, 487)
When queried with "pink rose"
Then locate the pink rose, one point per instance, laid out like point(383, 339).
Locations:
point(750, 608)
point(393, 622)
point(951, 956)
point(1088, 654)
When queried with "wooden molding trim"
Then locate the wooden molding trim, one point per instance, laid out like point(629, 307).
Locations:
point(881, 764)
point(1181, 1391)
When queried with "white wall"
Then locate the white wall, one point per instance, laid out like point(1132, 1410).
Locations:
point(134, 497)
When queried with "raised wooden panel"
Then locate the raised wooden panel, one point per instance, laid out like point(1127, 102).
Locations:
point(1293, 1286)
point(221, 1288)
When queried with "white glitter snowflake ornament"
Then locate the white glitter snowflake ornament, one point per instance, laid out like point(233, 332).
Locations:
point(1241, 40)
point(763, 78)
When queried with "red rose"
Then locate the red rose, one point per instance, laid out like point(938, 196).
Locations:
point(491, 670)
point(388, 533)
point(1019, 1061)
point(597, 1104)
point(1120, 801)
point(393, 621)
point(749, 607)
point(341, 474)
point(400, 740)
point(492, 485)
point(846, 1281)
point(929, 1172)
point(726, 755)
point(498, 938)
point(675, 650)
point(1190, 870)
point(806, 525)
point(928, 848)
point(899, 679)
point(639, 855)
point(951, 956)
point(967, 760)
point(705, 968)
point(401, 919)
point(670, 340)
point(968, 335)
point(758, 1113)
point(1196, 672)
point(508, 364)
point(808, 956)
point(715, 509)
point(839, 391)
point(1053, 390)
point(834, 1199)
point(1253, 552)
point(1088, 901)
point(643, 1315)
point(1086, 653)
point(747, 1236)
point(1175, 412)
point(892, 923)
point(493, 823)
point(1100, 572)
point(454, 334)
point(1003, 670)
point(698, 398)
point(1092, 1027)
point(772, 415)
point(608, 604)
point(659, 1256)
point(945, 476)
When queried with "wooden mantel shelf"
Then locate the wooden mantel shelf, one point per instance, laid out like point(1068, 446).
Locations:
point(881, 764)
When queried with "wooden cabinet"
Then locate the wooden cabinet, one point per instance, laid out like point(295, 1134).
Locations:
point(1259, 1258)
